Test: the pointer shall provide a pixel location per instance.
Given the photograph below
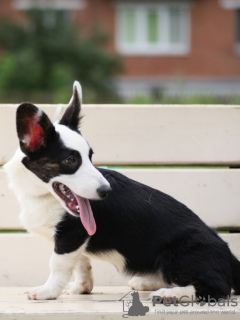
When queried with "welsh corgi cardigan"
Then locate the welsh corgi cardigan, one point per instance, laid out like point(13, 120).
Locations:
point(97, 213)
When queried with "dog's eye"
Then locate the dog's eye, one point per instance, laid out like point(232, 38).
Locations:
point(70, 160)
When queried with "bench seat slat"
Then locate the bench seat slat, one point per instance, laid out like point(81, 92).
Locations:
point(19, 268)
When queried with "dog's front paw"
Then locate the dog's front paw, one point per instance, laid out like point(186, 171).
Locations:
point(164, 293)
point(137, 283)
point(42, 293)
point(77, 287)
point(142, 284)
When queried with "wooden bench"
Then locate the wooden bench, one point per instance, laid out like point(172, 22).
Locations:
point(189, 152)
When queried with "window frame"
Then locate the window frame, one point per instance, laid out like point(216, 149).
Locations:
point(237, 30)
point(235, 6)
point(230, 4)
point(52, 4)
point(142, 47)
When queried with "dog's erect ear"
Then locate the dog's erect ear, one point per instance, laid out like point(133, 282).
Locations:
point(71, 117)
point(34, 128)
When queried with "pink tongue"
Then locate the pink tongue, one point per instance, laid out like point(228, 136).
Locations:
point(86, 215)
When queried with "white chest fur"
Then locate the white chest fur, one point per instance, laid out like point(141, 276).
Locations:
point(41, 215)
point(40, 211)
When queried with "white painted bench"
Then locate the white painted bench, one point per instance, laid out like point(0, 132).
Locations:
point(189, 152)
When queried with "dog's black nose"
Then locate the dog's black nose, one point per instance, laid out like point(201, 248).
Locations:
point(103, 191)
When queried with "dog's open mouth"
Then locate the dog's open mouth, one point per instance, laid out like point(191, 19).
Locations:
point(79, 206)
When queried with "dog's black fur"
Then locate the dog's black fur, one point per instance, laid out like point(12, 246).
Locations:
point(150, 229)
point(155, 232)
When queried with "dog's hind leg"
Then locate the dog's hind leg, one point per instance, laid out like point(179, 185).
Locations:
point(213, 286)
point(147, 282)
point(61, 266)
point(206, 286)
point(83, 279)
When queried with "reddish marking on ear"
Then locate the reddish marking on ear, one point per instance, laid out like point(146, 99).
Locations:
point(35, 133)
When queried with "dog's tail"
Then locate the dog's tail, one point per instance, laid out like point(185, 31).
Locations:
point(235, 275)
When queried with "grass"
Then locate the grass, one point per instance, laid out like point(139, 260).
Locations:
point(91, 97)
point(12, 231)
point(221, 230)
point(190, 99)
point(162, 167)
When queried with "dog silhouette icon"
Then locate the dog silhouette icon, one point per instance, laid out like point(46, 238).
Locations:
point(137, 308)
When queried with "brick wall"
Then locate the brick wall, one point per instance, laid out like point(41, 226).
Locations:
point(98, 12)
point(212, 48)
point(6, 11)
point(212, 51)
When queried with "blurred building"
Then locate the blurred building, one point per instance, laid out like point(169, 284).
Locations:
point(171, 47)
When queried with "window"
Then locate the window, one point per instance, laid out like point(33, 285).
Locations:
point(56, 18)
point(229, 4)
point(238, 30)
point(234, 5)
point(54, 12)
point(49, 4)
point(153, 28)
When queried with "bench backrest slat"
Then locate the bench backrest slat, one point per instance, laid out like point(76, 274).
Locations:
point(149, 135)
point(155, 135)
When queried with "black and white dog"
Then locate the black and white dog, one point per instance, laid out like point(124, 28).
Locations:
point(100, 213)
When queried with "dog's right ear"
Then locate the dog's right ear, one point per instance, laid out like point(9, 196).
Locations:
point(72, 117)
point(34, 128)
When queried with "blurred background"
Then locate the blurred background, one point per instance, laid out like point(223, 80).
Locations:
point(175, 51)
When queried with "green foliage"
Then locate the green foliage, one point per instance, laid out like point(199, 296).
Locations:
point(187, 99)
point(48, 54)
point(141, 99)
point(20, 72)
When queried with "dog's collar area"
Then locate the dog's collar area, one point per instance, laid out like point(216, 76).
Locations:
point(77, 205)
